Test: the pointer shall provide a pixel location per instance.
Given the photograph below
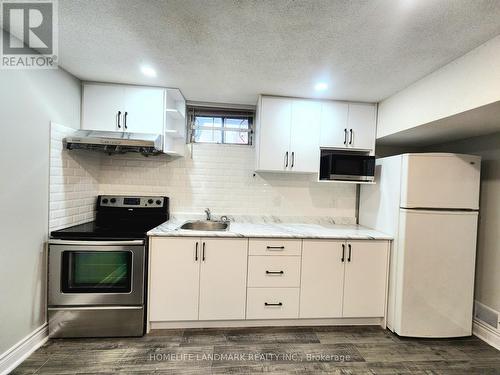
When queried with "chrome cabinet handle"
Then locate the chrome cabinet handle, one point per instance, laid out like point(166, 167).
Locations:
point(196, 252)
point(286, 159)
point(203, 252)
point(293, 159)
point(349, 256)
point(275, 272)
point(125, 120)
point(273, 304)
point(350, 136)
point(119, 116)
point(343, 253)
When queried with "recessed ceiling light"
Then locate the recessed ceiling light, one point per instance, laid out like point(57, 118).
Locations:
point(320, 86)
point(148, 71)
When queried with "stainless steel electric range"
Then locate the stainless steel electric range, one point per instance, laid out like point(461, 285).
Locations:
point(97, 270)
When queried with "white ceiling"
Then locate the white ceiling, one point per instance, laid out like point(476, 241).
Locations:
point(232, 50)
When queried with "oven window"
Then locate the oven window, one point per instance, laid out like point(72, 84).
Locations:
point(96, 272)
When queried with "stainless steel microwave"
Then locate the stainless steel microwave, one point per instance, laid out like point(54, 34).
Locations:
point(346, 166)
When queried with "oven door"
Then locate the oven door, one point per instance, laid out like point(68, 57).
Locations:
point(96, 273)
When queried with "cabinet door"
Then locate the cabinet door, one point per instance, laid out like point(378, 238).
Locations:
point(223, 279)
point(365, 279)
point(145, 110)
point(274, 138)
point(322, 279)
point(304, 136)
point(100, 106)
point(333, 122)
point(362, 126)
point(174, 279)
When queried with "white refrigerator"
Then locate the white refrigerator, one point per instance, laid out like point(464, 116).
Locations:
point(429, 202)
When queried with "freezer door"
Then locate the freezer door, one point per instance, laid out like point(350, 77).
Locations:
point(435, 263)
point(440, 180)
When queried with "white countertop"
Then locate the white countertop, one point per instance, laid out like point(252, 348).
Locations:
point(274, 230)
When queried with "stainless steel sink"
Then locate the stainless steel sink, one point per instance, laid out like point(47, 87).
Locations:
point(205, 225)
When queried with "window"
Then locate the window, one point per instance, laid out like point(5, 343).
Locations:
point(216, 125)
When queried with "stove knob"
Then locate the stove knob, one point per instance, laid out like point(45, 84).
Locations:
point(150, 201)
point(158, 202)
point(105, 200)
point(113, 200)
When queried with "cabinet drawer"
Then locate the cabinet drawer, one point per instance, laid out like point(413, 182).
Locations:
point(274, 271)
point(273, 303)
point(274, 247)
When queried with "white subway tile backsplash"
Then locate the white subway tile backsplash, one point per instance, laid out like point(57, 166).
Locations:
point(217, 176)
point(221, 177)
point(73, 182)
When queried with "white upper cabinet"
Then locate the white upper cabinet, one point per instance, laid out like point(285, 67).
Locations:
point(288, 135)
point(144, 110)
point(291, 131)
point(333, 124)
point(348, 125)
point(362, 126)
point(274, 134)
point(123, 108)
point(304, 136)
point(102, 107)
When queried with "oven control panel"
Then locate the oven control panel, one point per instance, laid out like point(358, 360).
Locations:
point(131, 201)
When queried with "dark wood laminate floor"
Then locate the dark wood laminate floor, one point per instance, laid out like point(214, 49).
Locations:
point(290, 350)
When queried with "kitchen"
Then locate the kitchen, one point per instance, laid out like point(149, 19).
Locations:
point(342, 203)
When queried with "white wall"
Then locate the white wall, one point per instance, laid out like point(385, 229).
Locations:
point(221, 177)
point(470, 81)
point(487, 288)
point(29, 100)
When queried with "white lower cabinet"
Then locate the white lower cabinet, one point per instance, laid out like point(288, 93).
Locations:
point(273, 271)
point(273, 303)
point(322, 279)
point(223, 279)
point(343, 279)
point(174, 279)
point(365, 282)
point(197, 279)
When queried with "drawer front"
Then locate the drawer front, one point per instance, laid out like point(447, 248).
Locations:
point(273, 303)
point(275, 247)
point(274, 271)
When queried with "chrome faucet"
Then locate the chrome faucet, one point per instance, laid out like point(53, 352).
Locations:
point(209, 214)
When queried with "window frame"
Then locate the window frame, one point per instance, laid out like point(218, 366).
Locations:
point(223, 114)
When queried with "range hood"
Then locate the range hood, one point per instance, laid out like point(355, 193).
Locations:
point(115, 142)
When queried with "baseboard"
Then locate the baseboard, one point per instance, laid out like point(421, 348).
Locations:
point(23, 349)
point(265, 323)
point(487, 334)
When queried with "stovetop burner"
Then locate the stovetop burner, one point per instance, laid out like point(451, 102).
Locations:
point(120, 218)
